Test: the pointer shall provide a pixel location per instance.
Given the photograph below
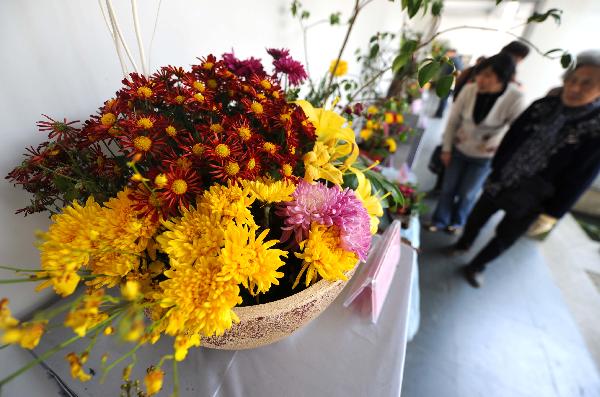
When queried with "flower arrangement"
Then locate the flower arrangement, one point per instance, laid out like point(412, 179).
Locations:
point(187, 194)
point(413, 200)
point(383, 130)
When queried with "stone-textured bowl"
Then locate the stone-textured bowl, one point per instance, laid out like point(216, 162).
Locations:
point(269, 322)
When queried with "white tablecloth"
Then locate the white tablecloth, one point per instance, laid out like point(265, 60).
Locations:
point(338, 354)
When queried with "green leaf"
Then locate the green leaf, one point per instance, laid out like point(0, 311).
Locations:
point(374, 51)
point(413, 7)
point(566, 60)
point(295, 5)
point(555, 13)
point(443, 85)
point(334, 19)
point(305, 15)
point(406, 51)
point(498, 2)
point(437, 7)
point(427, 72)
point(63, 184)
point(395, 194)
point(548, 53)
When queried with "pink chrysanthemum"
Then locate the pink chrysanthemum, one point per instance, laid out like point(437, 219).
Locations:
point(277, 53)
point(292, 68)
point(330, 207)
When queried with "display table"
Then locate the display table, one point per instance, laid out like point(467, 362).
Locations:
point(341, 353)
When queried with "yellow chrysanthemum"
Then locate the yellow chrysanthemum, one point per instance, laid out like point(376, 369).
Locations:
point(199, 231)
point(154, 381)
point(341, 68)
point(269, 191)
point(322, 256)
point(77, 371)
point(161, 181)
point(87, 314)
point(190, 237)
point(124, 236)
point(27, 335)
point(198, 299)
point(226, 203)
point(183, 343)
point(249, 260)
point(106, 240)
point(6, 318)
point(67, 245)
point(391, 144)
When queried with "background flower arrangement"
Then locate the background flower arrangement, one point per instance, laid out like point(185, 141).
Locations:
point(413, 201)
point(383, 130)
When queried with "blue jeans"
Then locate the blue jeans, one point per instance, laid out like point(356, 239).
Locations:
point(462, 181)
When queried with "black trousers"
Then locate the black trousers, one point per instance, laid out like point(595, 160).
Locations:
point(507, 232)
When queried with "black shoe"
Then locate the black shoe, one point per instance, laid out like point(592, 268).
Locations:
point(473, 277)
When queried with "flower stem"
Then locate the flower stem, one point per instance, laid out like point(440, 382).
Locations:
point(18, 269)
point(21, 280)
point(175, 379)
point(38, 360)
point(267, 212)
point(117, 361)
point(51, 352)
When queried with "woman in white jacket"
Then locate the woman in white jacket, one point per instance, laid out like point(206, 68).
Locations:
point(479, 118)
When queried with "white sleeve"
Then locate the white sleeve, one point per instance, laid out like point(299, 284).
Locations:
point(455, 119)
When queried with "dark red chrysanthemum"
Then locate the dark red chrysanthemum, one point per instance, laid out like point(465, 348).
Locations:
point(245, 68)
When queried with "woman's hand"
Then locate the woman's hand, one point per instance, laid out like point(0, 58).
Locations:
point(446, 157)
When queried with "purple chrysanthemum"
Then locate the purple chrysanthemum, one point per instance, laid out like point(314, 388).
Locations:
point(331, 207)
point(277, 53)
point(245, 68)
point(293, 69)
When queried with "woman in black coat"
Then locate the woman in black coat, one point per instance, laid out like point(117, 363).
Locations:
point(548, 158)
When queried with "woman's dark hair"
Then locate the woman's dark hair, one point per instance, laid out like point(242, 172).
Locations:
point(516, 49)
point(501, 64)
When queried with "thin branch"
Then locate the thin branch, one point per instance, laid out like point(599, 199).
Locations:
point(485, 29)
point(110, 28)
point(138, 36)
point(117, 30)
point(339, 57)
point(153, 34)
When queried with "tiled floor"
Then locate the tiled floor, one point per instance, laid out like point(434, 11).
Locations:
point(514, 337)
